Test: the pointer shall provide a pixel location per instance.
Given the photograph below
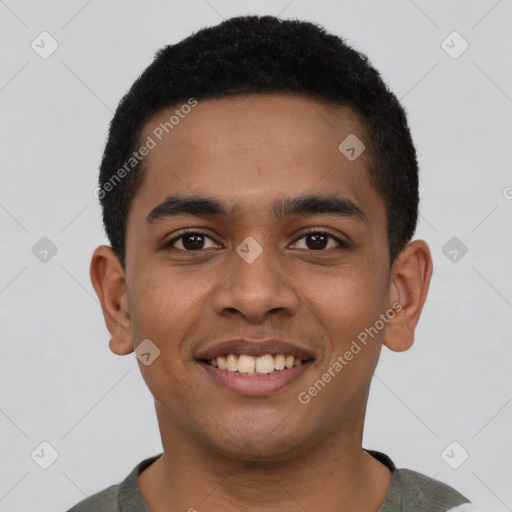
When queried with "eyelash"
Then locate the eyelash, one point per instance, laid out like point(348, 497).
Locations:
point(341, 243)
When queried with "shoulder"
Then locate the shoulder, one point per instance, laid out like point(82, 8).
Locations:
point(119, 497)
point(421, 493)
point(106, 501)
point(411, 491)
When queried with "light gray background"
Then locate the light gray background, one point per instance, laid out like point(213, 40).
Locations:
point(60, 383)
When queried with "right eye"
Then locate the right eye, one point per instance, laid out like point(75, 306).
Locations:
point(191, 241)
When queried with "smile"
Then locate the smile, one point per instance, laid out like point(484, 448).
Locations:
point(255, 376)
point(249, 365)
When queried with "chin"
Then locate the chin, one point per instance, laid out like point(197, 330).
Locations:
point(272, 444)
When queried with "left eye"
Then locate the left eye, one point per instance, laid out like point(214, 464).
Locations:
point(318, 241)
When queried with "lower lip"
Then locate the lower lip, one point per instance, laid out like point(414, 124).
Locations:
point(256, 385)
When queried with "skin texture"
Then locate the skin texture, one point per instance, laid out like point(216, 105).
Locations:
point(223, 450)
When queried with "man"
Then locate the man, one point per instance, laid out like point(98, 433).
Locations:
point(260, 191)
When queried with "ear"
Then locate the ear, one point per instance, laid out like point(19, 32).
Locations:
point(410, 280)
point(108, 280)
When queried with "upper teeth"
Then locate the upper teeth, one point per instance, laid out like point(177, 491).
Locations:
point(253, 365)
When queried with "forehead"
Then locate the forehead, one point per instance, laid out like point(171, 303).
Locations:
point(246, 123)
point(251, 149)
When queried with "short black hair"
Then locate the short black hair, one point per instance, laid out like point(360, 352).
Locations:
point(261, 55)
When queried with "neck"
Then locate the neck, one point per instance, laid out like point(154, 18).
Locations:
point(190, 475)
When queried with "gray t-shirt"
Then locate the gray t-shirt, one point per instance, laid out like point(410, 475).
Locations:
point(409, 492)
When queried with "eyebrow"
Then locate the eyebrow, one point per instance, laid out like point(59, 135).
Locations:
point(286, 207)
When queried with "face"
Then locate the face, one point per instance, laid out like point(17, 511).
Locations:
point(259, 263)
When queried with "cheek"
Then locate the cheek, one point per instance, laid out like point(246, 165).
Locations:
point(348, 302)
point(345, 305)
point(162, 302)
point(163, 310)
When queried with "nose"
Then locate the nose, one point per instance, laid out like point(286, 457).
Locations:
point(255, 289)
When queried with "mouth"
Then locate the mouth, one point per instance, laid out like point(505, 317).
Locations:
point(248, 365)
point(255, 368)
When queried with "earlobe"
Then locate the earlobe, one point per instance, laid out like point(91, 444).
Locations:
point(119, 346)
point(410, 280)
point(108, 280)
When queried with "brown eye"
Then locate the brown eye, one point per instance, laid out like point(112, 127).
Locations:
point(191, 241)
point(319, 241)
